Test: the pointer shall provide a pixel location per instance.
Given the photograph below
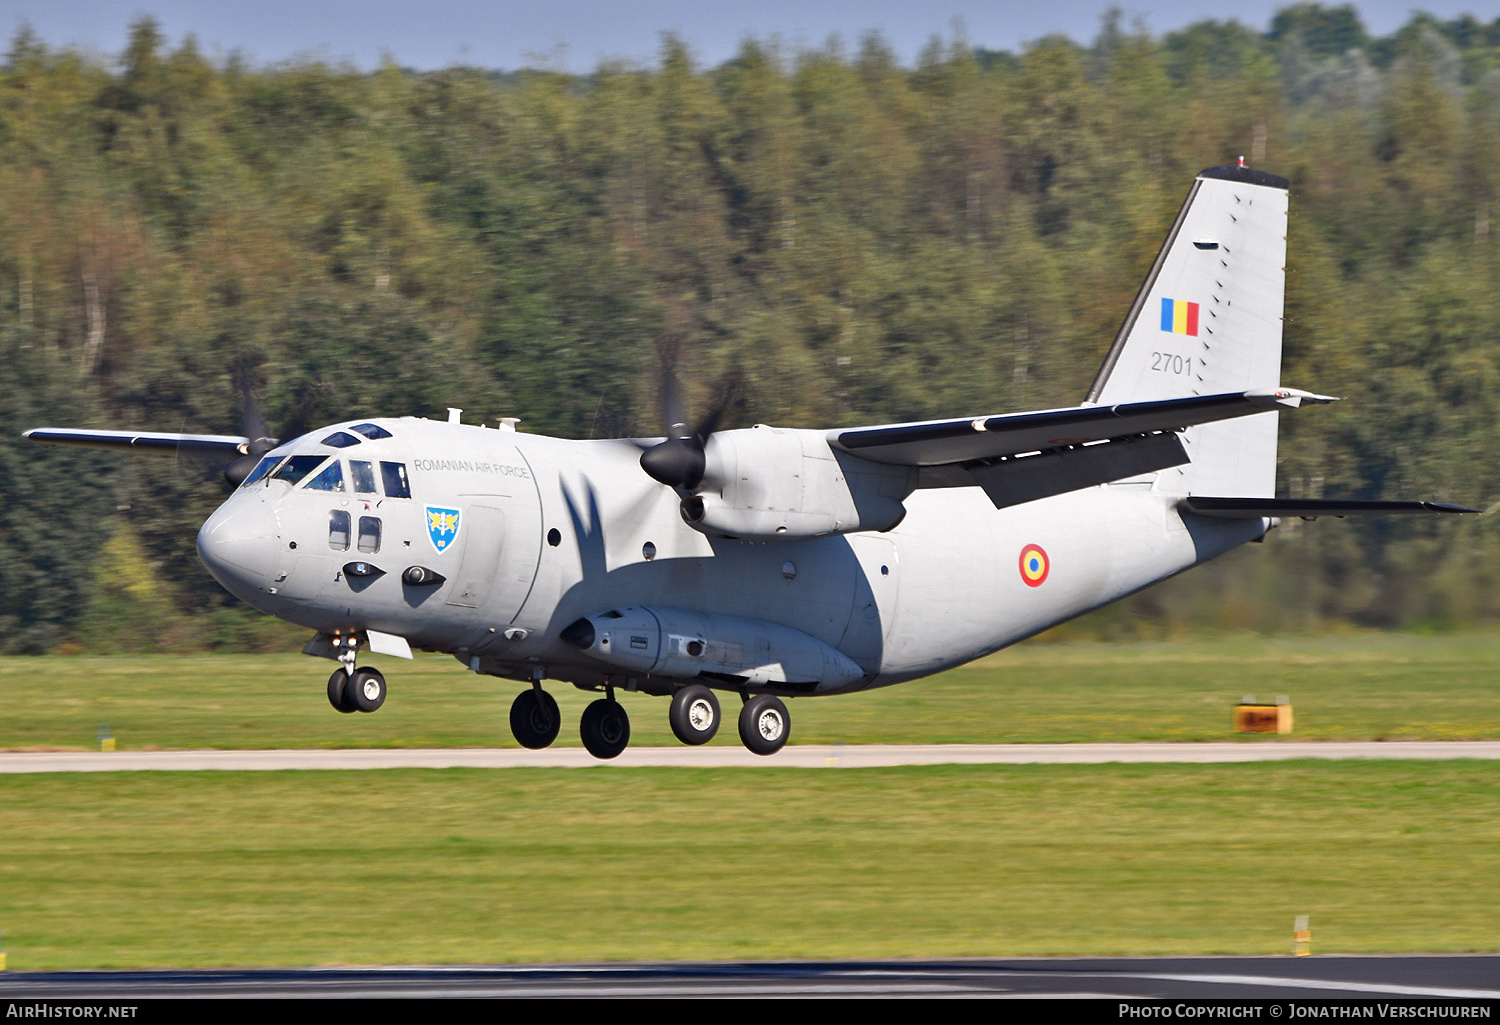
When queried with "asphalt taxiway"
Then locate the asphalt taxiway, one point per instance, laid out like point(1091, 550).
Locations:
point(728, 756)
point(1403, 978)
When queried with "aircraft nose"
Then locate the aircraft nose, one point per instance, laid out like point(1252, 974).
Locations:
point(238, 545)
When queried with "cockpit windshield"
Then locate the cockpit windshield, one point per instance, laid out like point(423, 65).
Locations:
point(294, 469)
point(331, 479)
point(372, 431)
point(261, 469)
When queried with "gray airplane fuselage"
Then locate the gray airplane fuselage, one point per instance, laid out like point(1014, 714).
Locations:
point(550, 530)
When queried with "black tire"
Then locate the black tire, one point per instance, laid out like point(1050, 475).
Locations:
point(765, 724)
point(695, 714)
point(605, 728)
point(366, 691)
point(338, 695)
point(535, 719)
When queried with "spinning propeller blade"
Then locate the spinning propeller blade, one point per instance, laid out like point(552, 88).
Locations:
point(680, 461)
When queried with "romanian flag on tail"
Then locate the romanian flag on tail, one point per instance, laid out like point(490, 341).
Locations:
point(1179, 317)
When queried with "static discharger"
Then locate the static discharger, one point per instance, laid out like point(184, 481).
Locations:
point(1251, 716)
point(1301, 937)
point(106, 738)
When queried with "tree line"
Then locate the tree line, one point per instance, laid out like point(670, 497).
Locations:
point(852, 239)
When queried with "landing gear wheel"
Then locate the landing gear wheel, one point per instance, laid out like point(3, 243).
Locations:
point(765, 724)
point(338, 695)
point(367, 690)
point(535, 719)
point(605, 728)
point(694, 715)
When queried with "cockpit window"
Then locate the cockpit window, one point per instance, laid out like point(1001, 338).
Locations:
point(371, 431)
point(338, 439)
point(261, 469)
point(331, 479)
point(394, 475)
point(294, 469)
point(364, 476)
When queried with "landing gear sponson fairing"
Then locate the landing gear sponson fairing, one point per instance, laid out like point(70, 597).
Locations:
point(777, 563)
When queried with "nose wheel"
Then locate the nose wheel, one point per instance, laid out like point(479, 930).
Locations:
point(765, 724)
point(363, 692)
point(535, 718)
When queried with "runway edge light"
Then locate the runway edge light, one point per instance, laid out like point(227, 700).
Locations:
point(1301, 937)
point(106, 737)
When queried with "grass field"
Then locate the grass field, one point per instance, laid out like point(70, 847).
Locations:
point(1342, 687)
point(414, 866)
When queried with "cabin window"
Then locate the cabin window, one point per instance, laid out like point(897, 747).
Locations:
point(338, 439)
point(371, 431)
point(294, 469)
point(338, 530)
point(363, 474)
point(394, 475)
point(262, 468)
point(331, 479)
point(369, 534)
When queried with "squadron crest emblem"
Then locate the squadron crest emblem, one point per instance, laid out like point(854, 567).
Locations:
point(442, 527)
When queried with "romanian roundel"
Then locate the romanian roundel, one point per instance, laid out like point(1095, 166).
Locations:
point(1034, 565)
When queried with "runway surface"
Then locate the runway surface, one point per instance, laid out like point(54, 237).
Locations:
point(717, 756)
point(1462, 978)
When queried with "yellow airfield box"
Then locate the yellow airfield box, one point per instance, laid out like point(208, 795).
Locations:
point(1251, 716)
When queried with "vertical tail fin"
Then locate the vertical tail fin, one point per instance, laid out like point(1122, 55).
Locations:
point(1208, 321)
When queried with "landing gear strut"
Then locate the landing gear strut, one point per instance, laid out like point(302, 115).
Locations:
point(765, 724)
point(695, 714)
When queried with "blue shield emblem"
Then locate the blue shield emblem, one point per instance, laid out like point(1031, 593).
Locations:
point(442, 527)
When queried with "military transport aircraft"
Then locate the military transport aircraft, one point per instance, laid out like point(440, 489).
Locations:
point(776, 563)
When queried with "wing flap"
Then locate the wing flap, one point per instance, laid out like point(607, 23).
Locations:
point(1028, 478)
point(935, 442)
point(220, 445)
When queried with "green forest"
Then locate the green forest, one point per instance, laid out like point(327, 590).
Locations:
point(854, 239)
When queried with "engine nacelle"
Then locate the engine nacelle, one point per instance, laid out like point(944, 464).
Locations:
point(769, 484)
point(675, 643)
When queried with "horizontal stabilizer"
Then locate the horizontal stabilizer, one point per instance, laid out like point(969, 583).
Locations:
point(936, 442)
point(218, 445)
point(1310, 508)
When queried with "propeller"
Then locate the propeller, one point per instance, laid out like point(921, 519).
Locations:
point(253, 426)
point(681, 460)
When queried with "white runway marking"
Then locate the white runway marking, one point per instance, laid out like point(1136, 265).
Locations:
point(801, 756)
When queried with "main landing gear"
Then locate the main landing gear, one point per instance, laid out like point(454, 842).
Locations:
point(764, 722)
point(535, 718)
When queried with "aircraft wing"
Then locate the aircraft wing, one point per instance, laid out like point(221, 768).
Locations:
point(938, 442)
point(220, 445)
point(1022, 457)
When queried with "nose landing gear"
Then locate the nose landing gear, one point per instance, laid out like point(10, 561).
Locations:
point(364, 692)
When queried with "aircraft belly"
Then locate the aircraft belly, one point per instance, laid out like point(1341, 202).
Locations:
point(1085, 549)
